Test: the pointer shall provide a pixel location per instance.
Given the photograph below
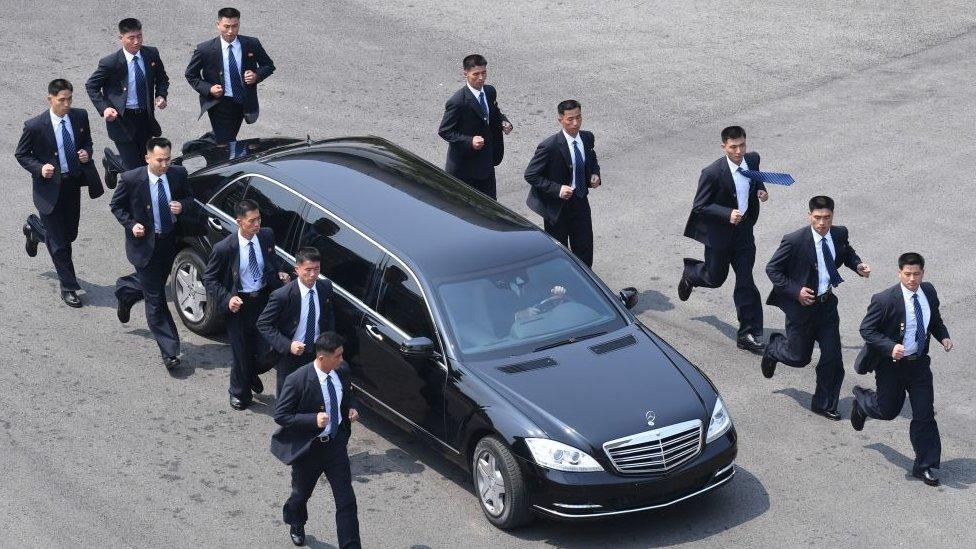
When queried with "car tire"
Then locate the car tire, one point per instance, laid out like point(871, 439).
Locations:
point(190, 298)
point(499, 485)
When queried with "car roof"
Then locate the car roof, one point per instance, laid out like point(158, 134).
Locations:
point(413, 208)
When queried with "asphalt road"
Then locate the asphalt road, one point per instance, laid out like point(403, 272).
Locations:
point(869, 102)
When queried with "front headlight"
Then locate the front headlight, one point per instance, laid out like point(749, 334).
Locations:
point(720, 422)
point(561, 457)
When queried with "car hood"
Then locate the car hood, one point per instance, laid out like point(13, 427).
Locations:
point(586, 399)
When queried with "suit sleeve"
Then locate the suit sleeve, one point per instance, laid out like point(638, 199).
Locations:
point(501, 115)
point(704, 204)
point(265, 64)
point(937, 327)
point(213, 277)
point(162, 79)
point(120, 204)
point(330, 311)
point(852, 260)
point(95, 86)
point(777, 269)
point(267, 324)
point(595, 167)
point(536, 170)
point(450, 125)
point(85, 142)
point(871, 328)
point(194, 74)
point(25, 152)
point(277, 264)
point(286, 411)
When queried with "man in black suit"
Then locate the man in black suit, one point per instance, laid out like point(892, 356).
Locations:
point(804, 274)
point(723, 214)
point(126, 88)
point(296, 314)
point(56, 148)
point(474, 128)
point(225, 71)
point(243, 269)
point(315, 410)
point(155, 206)
point(896, 329)
point(561, 173)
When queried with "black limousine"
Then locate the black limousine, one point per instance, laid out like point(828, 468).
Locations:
point(471, 328)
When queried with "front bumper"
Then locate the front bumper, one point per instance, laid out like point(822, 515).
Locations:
point(571, 496)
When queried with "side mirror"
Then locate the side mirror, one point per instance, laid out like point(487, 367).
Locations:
point(629, 297)
point(418, 347)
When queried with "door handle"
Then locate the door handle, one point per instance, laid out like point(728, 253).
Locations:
point(214, 224)
point(374, 332)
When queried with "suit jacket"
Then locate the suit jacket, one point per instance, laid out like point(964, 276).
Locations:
point(206, 68)
point(38, 146)
point(297, 409)
point(552, 167)
point(222, 276)
point(883, 326)
point(108, 87)
point(715, 200)
point(279, 320)
point(463, 119)
point(794, 265)
point(132, 203)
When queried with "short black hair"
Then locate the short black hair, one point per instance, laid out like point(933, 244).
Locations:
point(733, 132)
point(567, 105)
point(245, 207)
point(58, 85)
point(911, 258)
point(228, 13)
point(821, 203)
point(308, 254)
point(474, 60)
point(160, 142)
point(129, 24)
point(328, 342)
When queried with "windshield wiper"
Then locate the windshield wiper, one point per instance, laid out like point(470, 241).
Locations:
point(570, 340)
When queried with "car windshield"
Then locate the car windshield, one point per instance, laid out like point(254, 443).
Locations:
point(518, 309)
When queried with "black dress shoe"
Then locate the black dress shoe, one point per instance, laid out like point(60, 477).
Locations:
point(829, 414)
point(171, 362)
point(857, 414)
point(31, 244)
point(71, 298)
point(927, 476)
point(237, 403)
point(298, 535)
point(684, 288)
point(768, 366)
point(751, 343)
point(257, 385)
point(122, 310)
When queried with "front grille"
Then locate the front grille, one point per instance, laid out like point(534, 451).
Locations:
point(656, 451)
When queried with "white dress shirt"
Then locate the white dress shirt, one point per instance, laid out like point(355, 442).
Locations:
point(132, 100)
point(572, 156)
point(303, 319)
point(477, 97)
point(248, 282)
point(62, 154)
point(742, 185)
point(337, 385)
point(822, 272)
point(911, 346)
point(154, 183)
point(224, 47)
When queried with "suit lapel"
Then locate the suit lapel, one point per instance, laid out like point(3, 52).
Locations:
point(235, 264)
point(564, 149)
point(123, 68)
point(323, 304)
point(48, 129)
point(727, 175)
point(147, 199)
point(898, 300)
point(473, 103)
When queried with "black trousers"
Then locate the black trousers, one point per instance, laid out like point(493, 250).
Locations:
point(574, 228)
point(741, 256)
point(817, 323)
point(894, 381)
point(133, 150)
point(332, 459)
point(61, 229)
point(244, 341)
point(226, 118)
point(485, 185)
point(149, 283)
point(288, 364)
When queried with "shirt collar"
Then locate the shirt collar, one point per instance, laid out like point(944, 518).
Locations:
point(570, 139)
point(129, 56)
point(244, 242)
point(906, 292)
point(817, 238)
point(224, 44)
point(303, 288)
point(733, 167)
point(55, 119)
point(153, 178)
point(322, 375)
point(477, 93)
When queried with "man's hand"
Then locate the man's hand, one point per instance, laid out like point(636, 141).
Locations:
point(235, 304)
point(477, 142)
point(110, 114)
point(565, 192)
point(83, 156)
point(217, 91)
point(898, 351)
point(557, 292)
point(735, 217)
point(138, 230)
point(947, 344)
point(353, 415)
point(297, 348)
point(250, 77)
point(322, 419)
point(864, 270)
point(806, 297)
point(507, 127)
point(160, 103)
point(594, 181)
point(175, 207)
point(47, 171)
point(284, 277)
point(763, 195)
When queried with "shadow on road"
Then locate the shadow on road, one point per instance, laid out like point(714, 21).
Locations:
point(652, 300)
point(957, 473)
point(844, 406)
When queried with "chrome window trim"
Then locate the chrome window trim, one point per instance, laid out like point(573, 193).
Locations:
point(404, 418)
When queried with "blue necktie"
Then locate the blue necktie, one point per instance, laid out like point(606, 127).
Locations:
point(484, 104)
point(579, 171)
point(165, 216)
point(333, 406)
point(140, 83)
point(310, 323)
point(835, 278)
point(252, 263)
point(920, 334)
point(70, 152)
point(768, 177)
point(236, 84)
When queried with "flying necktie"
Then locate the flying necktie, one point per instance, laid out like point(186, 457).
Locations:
point(768, 177)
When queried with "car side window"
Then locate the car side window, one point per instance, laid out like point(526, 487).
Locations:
point(229, 196)
point(348, 259)
point(402, 303)
point(279, 207)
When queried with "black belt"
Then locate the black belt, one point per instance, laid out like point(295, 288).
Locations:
point(822, 298)
point(324, 439)
point(136, 111)
point(251, 295)
point(912, 357)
